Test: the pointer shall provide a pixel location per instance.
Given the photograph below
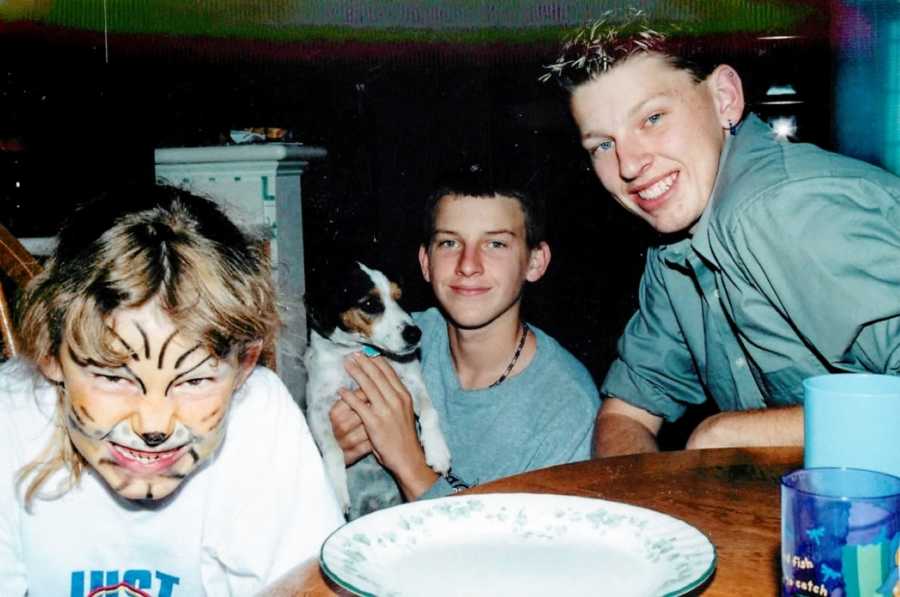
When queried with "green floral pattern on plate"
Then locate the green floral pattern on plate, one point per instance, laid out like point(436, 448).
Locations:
point(517, 544)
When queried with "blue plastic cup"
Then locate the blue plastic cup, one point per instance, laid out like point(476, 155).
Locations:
point(840, 533)
point(852, 420)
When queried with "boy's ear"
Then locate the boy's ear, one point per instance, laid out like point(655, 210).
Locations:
point(728, 95)
point(424, 263)
point(538, 262)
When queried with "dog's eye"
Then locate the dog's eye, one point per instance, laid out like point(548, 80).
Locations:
point(371, 305)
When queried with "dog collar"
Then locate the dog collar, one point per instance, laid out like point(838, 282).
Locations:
point(370, 351)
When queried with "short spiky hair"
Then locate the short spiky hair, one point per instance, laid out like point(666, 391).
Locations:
point(475, 181)
point(598, 46)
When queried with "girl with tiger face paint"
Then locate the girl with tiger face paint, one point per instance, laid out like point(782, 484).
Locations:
point(146, 424)
point(173, 464)
point(148, 317)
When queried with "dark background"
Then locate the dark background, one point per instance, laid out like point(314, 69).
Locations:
point(392, 117)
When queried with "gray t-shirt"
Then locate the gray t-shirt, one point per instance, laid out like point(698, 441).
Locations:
point(540, 417)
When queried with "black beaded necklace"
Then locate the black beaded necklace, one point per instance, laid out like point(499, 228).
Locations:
point(515, 357)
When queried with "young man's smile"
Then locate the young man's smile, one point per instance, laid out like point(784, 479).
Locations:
point(471, 291)
point(653, 195)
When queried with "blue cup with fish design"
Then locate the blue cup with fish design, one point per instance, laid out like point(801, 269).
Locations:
point(840, 533)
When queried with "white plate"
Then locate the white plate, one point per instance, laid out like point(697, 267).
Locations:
point(517, 544)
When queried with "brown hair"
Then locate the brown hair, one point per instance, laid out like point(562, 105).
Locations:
point(474, 181)
point(120, 251)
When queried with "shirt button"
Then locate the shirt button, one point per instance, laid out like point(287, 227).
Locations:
point(740, 362)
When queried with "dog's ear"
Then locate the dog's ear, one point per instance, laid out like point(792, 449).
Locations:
point(388, 268)
point(331, 291)
point(318, 320)
point(322, 282)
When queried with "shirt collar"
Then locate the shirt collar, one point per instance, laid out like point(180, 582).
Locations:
point(700, 231)
point(698, 239)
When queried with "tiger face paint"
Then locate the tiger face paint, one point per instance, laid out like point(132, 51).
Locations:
point(146, 425)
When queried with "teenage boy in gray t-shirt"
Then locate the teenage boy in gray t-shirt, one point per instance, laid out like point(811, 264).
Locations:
point(510, 398)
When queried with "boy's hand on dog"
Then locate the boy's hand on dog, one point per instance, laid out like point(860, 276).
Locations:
point(349, 430)
point(385, 408)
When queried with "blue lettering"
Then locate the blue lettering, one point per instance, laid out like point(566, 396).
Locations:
point(77, 585)
point(112, 578)
point(139, 579)
point(167, 581)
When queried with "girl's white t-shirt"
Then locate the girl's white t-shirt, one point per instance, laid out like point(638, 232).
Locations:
point(258, 508)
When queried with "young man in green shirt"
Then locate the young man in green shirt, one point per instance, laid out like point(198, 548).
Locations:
point(778, 261)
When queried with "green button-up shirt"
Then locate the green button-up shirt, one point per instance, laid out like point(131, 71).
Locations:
point(793, 270)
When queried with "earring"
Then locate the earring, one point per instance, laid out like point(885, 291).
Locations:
point(732, 128)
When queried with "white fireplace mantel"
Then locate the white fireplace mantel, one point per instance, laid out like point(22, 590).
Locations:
point(259, 187)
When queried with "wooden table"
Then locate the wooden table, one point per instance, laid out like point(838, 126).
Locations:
point(732, 495)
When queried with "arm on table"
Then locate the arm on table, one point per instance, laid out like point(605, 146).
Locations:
point(766, 427)
point(624, 429)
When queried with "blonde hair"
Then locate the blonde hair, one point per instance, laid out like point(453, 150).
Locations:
point(598, 46)
point(122, 250)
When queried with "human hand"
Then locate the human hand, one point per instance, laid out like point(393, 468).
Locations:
point(384, 406)
point(349, 431)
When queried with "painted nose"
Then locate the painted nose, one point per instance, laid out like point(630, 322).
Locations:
point(154, 439)
point(154, 420)
point(412, 334)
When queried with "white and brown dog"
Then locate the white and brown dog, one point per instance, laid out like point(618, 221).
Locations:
point(355, 309)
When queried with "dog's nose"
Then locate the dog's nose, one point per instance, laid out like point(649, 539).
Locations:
point(412, 334)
